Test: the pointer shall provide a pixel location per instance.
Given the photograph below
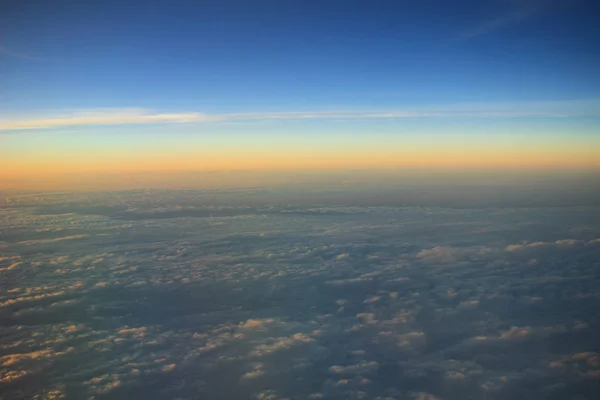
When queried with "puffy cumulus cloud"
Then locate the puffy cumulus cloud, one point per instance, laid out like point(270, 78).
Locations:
point(7, 376)
point(121, 357)
point(15, 367)
point(168, 368)
point(137, 333)
point(460, 371)
point(254, 324)
point(103, 384)
point(371, 300)
point(269, 395)
point(253, 374)
point(516, 333)
point(22, 358)
point(364, 367)
point(568, 242)
point(423, 396)
point(517, 247)
point(585, 364)
point(533, 299)
point(591, 358)
point(367, 318)
point(412, 341)
point(35, 294)
point(50, 394)
point(559, 243)
point(402, 317)
point(439, 254)
point(450, 255)
point(280, 344)
point(351, 281)
point(469, 303)
point(495, 384)
point(257, 370)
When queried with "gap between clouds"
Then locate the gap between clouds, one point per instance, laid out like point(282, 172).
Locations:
point(128, 116)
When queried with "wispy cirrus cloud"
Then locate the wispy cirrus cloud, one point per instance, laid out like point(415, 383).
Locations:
point(8, 52)
point(102, 117)
point(491, 25)
point(129, 116)
point(523, 9)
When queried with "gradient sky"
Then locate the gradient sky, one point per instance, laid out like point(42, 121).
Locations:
point(129, 86)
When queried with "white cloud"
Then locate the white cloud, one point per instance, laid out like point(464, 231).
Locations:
point(371, 300)
point(256, 371)
point(269, 395)
point(367, 318)
point(11, 375)
point(12, 266)
point(364, 367)
point(423, 396)
point(168, 368)
point(593, 242)
point(253, 374)
point(281, 343)
point(448, 255)
point(411, 340)
point(516, 333)
point(256, 323)
point(439, 254)
point(59, 239)
point(394, 324)
point(559, 243)
point(103, 117)
point(99, 117)
point(567, 242)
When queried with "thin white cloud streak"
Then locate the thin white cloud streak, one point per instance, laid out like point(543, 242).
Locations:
point(103, 117)
point(491, 25)
point(5, 51)
point(524, 10)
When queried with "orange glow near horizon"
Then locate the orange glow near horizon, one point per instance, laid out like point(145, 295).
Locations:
point(45, 170)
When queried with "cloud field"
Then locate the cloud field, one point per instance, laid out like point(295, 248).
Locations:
point(126, 297)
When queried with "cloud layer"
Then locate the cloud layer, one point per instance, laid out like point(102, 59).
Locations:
point(130, 294)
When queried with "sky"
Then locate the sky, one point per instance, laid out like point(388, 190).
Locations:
point(90, 88)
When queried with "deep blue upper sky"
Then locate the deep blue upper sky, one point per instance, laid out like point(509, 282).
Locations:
point(228, 56)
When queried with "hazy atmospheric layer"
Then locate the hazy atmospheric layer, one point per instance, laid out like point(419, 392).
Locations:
point(277, 295)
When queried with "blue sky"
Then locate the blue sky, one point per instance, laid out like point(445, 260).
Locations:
point(232, 56)
point(229, 84)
